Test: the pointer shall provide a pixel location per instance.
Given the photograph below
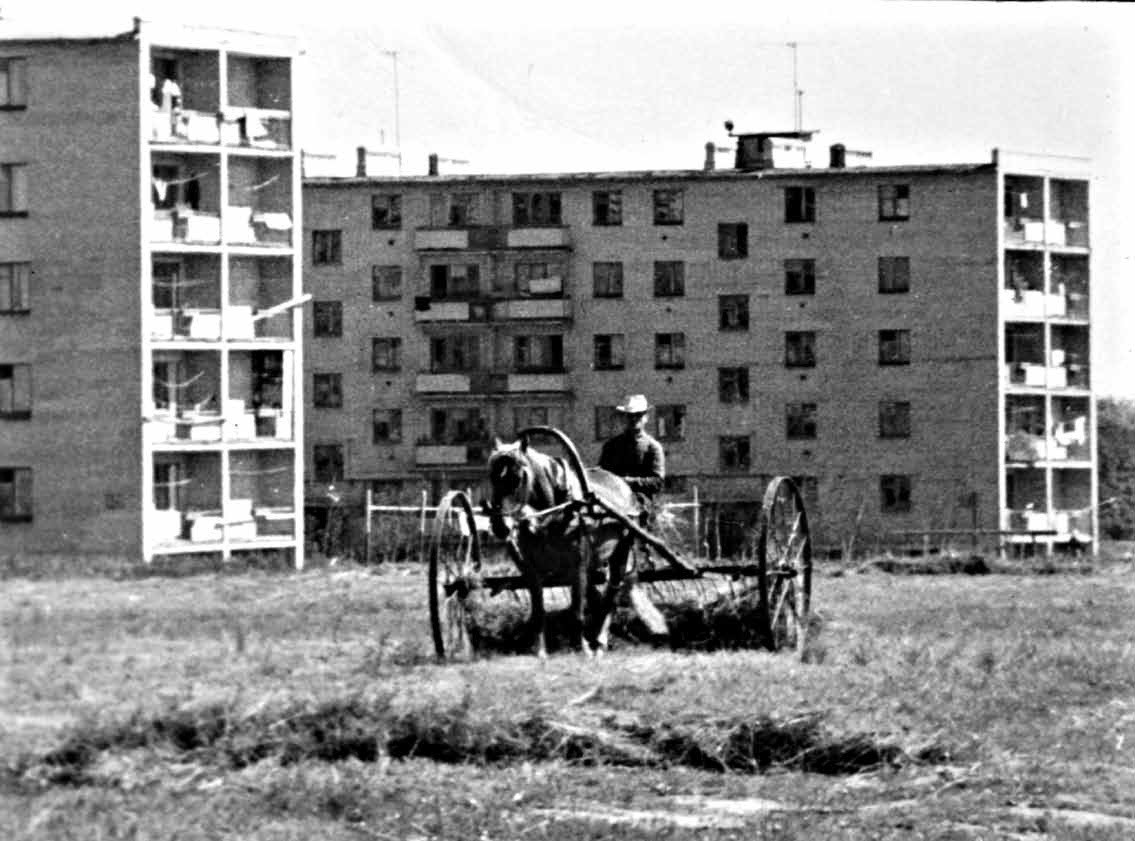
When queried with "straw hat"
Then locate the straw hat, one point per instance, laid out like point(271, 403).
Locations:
point(634, 404)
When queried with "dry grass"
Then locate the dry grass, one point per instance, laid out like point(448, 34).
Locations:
point(298, 706)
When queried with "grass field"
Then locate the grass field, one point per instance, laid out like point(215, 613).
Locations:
point(308, 706)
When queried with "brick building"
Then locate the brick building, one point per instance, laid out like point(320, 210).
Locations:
point(150, 396)
point(910, 342)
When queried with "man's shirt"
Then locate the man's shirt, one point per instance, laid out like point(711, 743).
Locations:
point(638, 458)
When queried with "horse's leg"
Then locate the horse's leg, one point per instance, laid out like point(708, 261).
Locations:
point(535, 585)
point(579, 597)
point(616, 568)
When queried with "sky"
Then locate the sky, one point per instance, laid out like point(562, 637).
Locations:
point(506, 86)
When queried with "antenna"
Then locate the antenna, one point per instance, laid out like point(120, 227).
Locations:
point(397, 110)
point(797, 94)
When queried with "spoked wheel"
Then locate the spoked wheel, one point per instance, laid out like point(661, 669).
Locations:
point(455, 561)
point(784, 566)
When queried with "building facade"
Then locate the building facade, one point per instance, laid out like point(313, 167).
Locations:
point(150, 356)
point(911, 343)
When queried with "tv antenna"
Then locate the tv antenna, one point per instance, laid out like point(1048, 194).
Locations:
point(397, 110)
point(797, 94)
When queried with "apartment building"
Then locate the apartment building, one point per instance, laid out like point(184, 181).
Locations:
point(150, 390)
point(912, 343)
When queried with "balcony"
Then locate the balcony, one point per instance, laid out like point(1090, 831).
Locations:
point(532, 382)
point(529, 309)
point(440, 309)
point(1038, 375)
point(431, 454)
point(443, 383)
point(534, 237)
point(1033, 303)
point(441, 239)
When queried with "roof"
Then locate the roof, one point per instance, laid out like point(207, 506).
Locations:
point(649, 175)
point(68, 28)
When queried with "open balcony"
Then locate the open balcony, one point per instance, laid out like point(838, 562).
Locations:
point(431, 454)
point(1067, 223)
point(261, 507)
point(184, 409)
point(1070, 353)
point(261, 404)
point(259, 210)
point(185, 97)
point(185, 298)
point(258, 113)
point(1069, 281)
point(258, 286)
point(186, 199)
point(185, 512)
point(1024, 210)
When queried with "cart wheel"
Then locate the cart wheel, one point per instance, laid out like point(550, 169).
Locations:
point(455, 560)
point(784, 566)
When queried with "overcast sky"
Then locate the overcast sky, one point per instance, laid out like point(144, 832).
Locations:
point(532, 87)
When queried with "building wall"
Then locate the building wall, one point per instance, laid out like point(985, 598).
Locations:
point(80, 138)
point(951, 310)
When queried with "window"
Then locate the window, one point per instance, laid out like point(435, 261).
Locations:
point(894, 275)
point(459, 352)
point(464, 425)
point(15, 494)
point(386, 211)
point(733, 453)
point(327, 319)
point(733, 312)
point(15, 391)
point(668, 207)
point(456, 210)
point(894, 493)
point(670, 422)
point(799, 204)
point(327, 462)
point(894, 347)
point(669, 350)
point(15, 287)
point(386, 354)
point(894, 419)
point(386, 426)
point(607, 279)
point(800, 421)
point(669, 278)
point(13, 83)
point(608, 422)
point(13, 190)
point(536, 208)
point(800, 349)
point(385, 283)
point(327, 391)
point(732, 240)
point(609, 352)
point(733, 385)
point(538, 354)
point(326, 248)
point(455, 281)
point(607, 207)
point(799, 277)
point(894, 202)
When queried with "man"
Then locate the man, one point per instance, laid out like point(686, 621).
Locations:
point(633, 454)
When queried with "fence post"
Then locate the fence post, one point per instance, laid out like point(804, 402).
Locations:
point(367, 526)
point(697, 525)
point(422, 528)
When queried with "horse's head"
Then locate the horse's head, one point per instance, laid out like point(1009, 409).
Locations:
point(510, 477)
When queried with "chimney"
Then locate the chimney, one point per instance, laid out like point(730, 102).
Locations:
point(433, 164)
point(838, 159)
point(710, 163)
point(361, 162)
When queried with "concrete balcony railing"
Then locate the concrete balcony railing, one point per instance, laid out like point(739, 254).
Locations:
point(551, 237)
point(443, 383)
point(442, 455)
point(536, 382)
point(441, 239)
point(1039, 375)
point(528, 309)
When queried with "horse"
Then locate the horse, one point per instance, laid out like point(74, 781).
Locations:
point(558, 547)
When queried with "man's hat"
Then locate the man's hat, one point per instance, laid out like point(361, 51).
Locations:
point(634, 404)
